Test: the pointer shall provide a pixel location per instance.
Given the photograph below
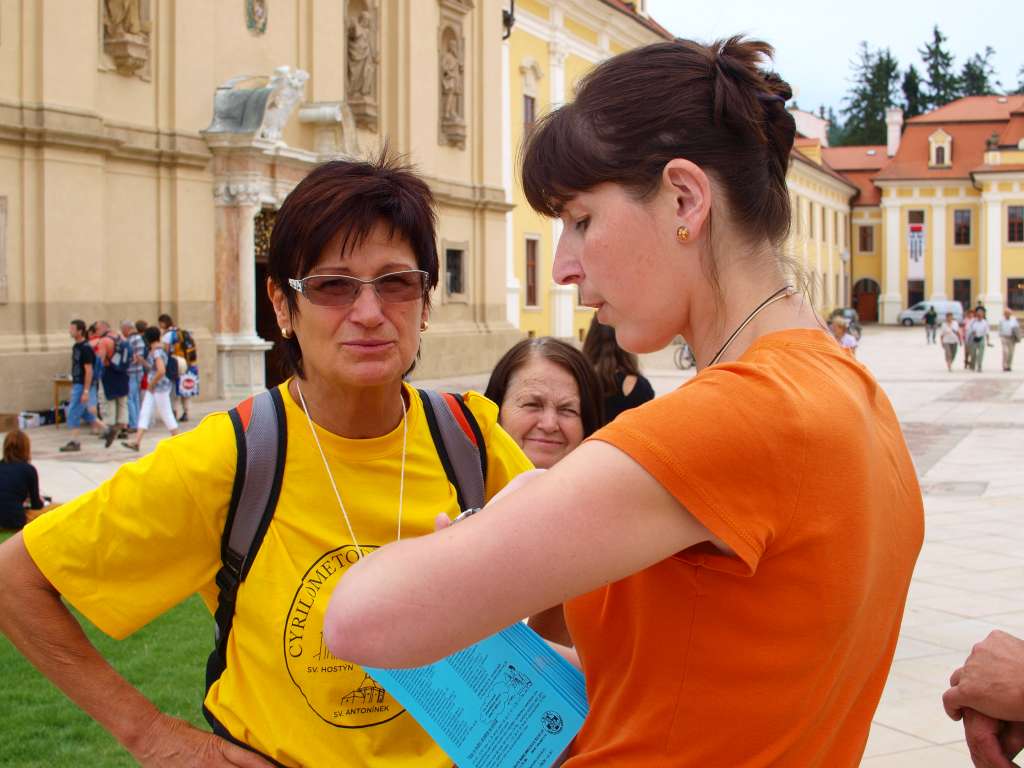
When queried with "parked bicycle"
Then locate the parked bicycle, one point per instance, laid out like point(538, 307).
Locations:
point(683, 357)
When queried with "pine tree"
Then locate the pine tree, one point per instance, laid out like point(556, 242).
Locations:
point(943, 83)
point(913, 99)
point(1020, 81)
point(836, 130)
point(874, 87)
point(978, 75)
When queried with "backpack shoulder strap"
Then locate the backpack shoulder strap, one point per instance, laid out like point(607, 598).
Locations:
point(459, 444)
point(261, 442)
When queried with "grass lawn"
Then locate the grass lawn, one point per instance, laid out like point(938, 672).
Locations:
point(166, 660)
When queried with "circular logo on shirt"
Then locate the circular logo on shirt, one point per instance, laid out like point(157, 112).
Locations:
point(340, 692)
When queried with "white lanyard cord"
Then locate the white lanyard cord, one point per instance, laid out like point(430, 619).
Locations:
point(330, 475)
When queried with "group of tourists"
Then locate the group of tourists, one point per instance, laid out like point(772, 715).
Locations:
point(133, 371)
point(973, 335)
point(739, 550)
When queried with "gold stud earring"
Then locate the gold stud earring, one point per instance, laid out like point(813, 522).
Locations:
point(423, 326)
point(682, 234)
point(285, 333)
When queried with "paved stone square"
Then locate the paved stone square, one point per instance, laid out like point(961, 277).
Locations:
point(966, 433)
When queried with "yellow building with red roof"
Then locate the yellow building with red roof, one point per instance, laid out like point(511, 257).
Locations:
point(939, 212)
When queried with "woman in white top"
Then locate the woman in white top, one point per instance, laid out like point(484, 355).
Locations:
point(949, 336)
point(841, 330)
point(1009, 335)
point(977, 337)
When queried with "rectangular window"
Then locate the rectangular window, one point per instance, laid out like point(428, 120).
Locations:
point(529, 113)
point(454, 271)
point(961, 227)
point(962, 291)
point(1015, 224)
point(531, 273)
point(940, 155)
point(866, 237)
point(915, 217)
point(1015, 293)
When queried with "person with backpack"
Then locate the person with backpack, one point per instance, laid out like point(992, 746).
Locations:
point(117, 357)
point(137, 348)
point(158, 392)
point(180, 346)
point(263, 510)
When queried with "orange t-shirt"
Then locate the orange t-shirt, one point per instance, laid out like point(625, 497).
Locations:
point(777, 655)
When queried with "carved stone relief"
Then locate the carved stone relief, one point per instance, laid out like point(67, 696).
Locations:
point(362, 61)
point(263, 111)
point(256, 16)
point(532, 75)
point(451, 52)
point(126, 31)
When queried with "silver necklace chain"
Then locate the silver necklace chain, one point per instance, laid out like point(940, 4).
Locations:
point(330, 475)
point(782, 293)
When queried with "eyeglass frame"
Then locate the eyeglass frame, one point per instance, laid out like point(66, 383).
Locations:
point(298, 284)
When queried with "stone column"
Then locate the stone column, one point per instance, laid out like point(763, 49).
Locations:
point(892, 292)
point(991, 258)
point(511, 281)
point(940, 227)
point(240, 352)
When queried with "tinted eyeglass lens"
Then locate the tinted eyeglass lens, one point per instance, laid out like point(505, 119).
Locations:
point(401, 286)
point(331, 290)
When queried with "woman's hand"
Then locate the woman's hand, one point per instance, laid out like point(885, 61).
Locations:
point(171, 742)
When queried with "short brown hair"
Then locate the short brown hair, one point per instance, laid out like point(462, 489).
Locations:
point(17, 447)
point(714, 105)
point(349, 197)
point(563, 355)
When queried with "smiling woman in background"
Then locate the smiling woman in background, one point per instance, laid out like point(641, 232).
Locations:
point(548, 398)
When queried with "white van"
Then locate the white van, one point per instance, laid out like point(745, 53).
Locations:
point(915, 315)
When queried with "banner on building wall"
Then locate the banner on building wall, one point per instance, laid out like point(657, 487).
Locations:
point(915, 252)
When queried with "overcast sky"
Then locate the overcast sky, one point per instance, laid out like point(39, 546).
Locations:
point(814, 44)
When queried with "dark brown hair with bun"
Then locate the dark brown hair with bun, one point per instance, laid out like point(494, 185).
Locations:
point(715, 105)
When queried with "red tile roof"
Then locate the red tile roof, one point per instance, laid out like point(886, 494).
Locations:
point(1014, 131)
point(968, 150)
point(864, 180)
point(973, 109)
point(871, 157)
point(629, 8)
point(998, 168)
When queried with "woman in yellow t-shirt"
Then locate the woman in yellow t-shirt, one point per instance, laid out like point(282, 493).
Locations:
point(733, 557)
point(352, 260)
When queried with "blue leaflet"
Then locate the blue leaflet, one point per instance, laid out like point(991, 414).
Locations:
point(506, 702)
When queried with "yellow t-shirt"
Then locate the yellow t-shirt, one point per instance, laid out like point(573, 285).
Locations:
point(149, 537)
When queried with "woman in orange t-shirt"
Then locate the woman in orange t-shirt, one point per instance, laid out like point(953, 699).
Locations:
point(733, 557)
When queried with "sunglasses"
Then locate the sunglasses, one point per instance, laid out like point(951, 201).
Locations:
point(343, 290)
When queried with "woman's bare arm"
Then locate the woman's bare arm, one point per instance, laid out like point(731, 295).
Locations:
point(594, 518)
point(53, 641)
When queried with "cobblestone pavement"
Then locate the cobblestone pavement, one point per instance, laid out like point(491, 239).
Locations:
point(966, 433)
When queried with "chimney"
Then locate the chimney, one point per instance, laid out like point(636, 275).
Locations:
point(894, 126)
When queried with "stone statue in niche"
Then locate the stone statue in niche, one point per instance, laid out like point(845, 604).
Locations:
point(451, 108)
point(362, 60)
point(126, 30)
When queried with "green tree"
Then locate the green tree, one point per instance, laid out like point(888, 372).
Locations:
point(977, 78)
point(913, 99)
point(1020, 80)
point(873, 91)
point(943, 85)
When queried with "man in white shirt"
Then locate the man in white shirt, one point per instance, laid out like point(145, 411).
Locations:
point(977, 337)
point(1009, 335)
